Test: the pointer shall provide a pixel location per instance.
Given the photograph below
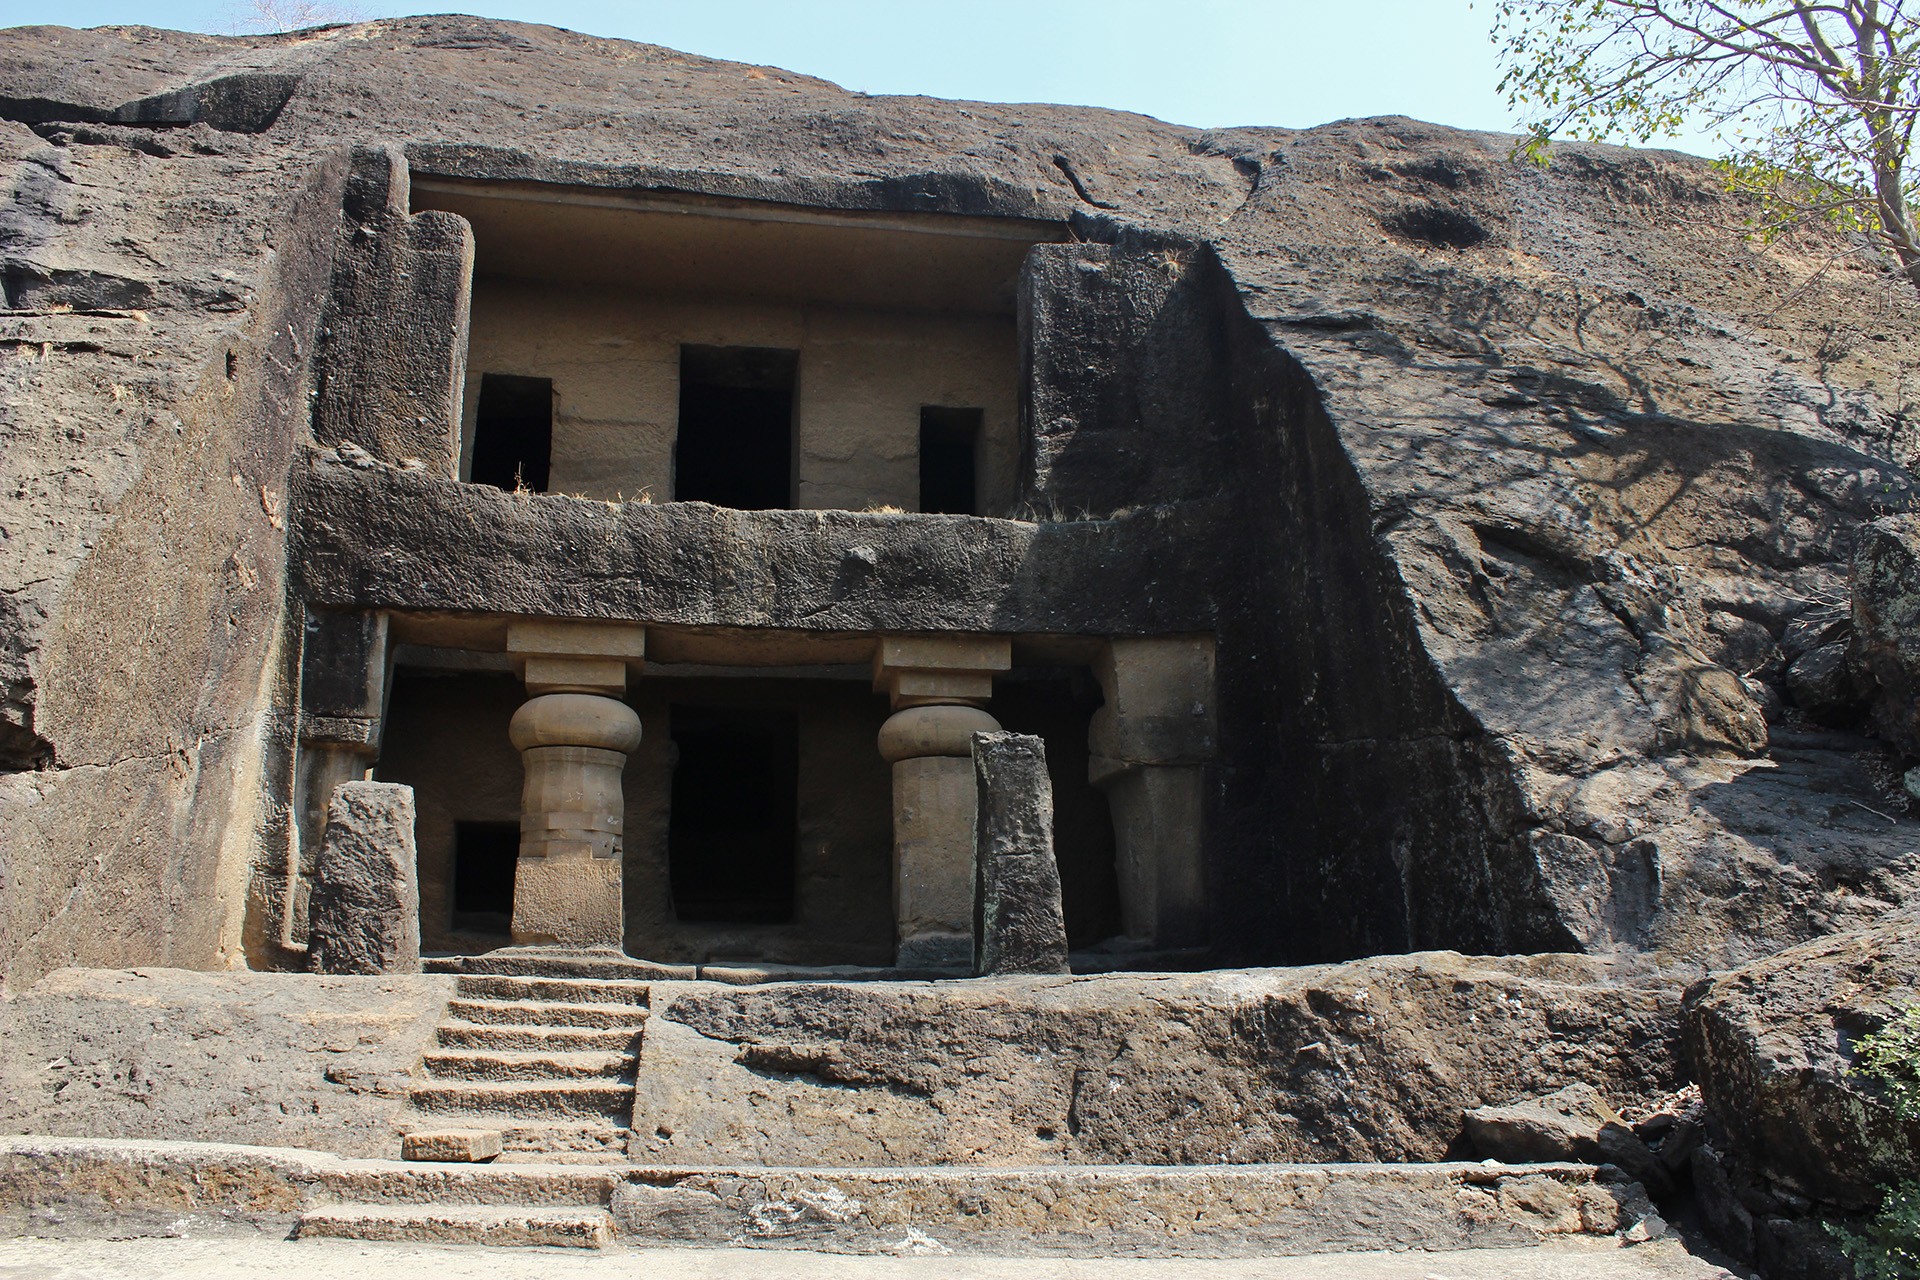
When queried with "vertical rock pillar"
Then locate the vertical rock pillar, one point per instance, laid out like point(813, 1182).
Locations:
point(574, 734)
point(1150, 745)
point(935, 685)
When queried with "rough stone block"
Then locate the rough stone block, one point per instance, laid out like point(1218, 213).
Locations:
point(1021, 926)
point(365, 914)
point(1771, 1046)
point(451, 1146)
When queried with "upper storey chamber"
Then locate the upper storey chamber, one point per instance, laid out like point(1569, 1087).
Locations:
point(756, 356)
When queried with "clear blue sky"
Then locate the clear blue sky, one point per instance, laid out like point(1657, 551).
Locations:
point(1209, 63)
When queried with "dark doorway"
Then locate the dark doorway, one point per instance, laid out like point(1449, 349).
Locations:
point(484, 854)
point(734, 828)
point(735, 441)
point(513, 433)
point(949, 440)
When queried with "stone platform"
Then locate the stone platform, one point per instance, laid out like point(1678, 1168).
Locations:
point(1372, 1061)
point(94, 1187)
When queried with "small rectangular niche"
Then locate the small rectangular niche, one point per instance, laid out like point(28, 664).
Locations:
point(513, 433)
point(734, 829)
point(734, 447)
point(949, 453)
point(484, 858)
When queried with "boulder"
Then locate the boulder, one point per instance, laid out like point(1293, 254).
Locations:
point(1886, 625)
point(1771, 1046)
point(366, 894)
point(1022, 928)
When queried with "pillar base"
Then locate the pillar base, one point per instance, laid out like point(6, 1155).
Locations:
point(941, 951)
point(570, 900)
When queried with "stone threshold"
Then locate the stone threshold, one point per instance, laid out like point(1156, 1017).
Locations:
point(542, 962)
point(53, 1186)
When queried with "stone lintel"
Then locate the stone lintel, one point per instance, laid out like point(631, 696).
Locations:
point(935, 669)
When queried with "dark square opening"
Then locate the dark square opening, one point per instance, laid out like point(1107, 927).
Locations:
point(735, 823)
point(735, 442)
point(484, 854)
point(949, 447)
point(513, 433)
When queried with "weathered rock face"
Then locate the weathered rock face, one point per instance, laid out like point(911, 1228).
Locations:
point(1886, 626)
point(1021, 927)
point(366, 889)
point(1501, 489)
point(1374, 1060)
point(277, 1060)
point(1575, 1123)
point(1770, 1045)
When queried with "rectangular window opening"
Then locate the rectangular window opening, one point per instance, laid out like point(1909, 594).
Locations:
point(484, 856)
point(734, 829)
point(513, 433)
point(949, 445)
point(735, 442)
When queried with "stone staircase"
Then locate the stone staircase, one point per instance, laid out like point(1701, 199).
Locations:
point(546, 1062)
point(553, 1206)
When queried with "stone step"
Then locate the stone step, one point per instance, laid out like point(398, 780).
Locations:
point(511, 1039)
point(523, 1100)
point(487, 1064)
point(546, 1013)
point(522, 1184)
point(552, 1226)
point(1197, 1211)
point(587, 1139)
point(501, 986)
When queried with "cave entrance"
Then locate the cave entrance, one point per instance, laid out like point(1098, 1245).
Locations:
point(513, 433)
point(733, 835)
point(734, 446)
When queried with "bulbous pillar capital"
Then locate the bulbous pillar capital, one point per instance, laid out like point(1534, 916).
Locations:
point(575, 720)
point(918, 732)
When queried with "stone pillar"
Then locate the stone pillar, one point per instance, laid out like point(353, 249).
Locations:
point(936, 686)
point(1022, 924)
point(343, 693)
point(1150, 744)
point(573, 734)
point(366, 890)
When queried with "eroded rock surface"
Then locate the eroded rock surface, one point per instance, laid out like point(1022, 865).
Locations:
point(1771, 1045)
point(273, 1060)
point(1886, 626)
